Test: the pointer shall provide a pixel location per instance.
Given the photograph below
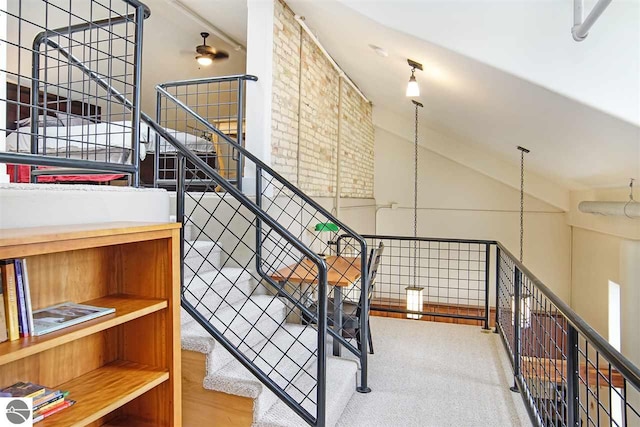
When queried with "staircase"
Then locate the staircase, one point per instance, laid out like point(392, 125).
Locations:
point(245, 326)
point(256, 323)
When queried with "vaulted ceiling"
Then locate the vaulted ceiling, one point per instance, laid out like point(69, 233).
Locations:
point(497, 75)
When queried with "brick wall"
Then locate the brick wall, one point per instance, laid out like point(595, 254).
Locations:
point(307, 98)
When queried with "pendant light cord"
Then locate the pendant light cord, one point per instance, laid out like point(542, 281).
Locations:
point(415, 202)
point(522, 153)
point(415, 196)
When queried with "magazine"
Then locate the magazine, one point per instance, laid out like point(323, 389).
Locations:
point(60, 316)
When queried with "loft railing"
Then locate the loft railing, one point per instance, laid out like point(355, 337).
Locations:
point(296, 212)
point(568, 374)
point(58, 114)
point(218, 100)
point(450, 276)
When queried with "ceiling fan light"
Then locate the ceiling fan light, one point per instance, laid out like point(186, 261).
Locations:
point(413, 89)
point(204, 60)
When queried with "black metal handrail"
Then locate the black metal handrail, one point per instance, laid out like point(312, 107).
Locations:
point(617, 360)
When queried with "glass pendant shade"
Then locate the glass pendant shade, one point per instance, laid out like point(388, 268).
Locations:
point(413, 89)
point(415, 301)
point(525, 310)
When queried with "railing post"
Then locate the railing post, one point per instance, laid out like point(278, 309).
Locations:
point(181, 165)
point(573, 383)
point(156, 154)
point(364, 321)
point(239, 131)
point(486, 286)
point(137, 95)
point(498, 255)
point(322, 347)
point(517, 285)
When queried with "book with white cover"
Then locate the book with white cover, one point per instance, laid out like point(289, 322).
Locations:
point(63, 315)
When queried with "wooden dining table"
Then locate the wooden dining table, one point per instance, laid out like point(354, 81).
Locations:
point(341, 272)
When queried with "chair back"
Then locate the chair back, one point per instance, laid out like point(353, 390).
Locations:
point(374, 262)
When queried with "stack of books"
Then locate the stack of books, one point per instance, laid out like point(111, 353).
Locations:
point(19, 320)
point(46, 401)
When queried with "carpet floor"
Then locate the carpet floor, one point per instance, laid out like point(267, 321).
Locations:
point(435, 374)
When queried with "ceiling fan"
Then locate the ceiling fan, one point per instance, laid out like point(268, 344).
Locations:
point(207, 54)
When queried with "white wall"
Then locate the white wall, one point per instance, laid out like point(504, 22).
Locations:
point(455, 201)
point(259, 94)
point(39, 205)
point(598, 258)
point(630, 297)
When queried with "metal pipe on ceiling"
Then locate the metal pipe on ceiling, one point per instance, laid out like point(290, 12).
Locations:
point(581, 28)
point(629, 209)
point(341, 73)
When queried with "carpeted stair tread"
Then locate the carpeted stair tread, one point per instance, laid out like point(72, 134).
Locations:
point(341, 383)
point(227, 286)
point(201, 256)
point(260, 312)
point(288, 352)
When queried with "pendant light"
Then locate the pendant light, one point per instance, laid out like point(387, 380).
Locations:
point(413, 90)
point(415, 297)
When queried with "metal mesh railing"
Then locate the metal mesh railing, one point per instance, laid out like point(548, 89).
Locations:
point(217, 100)
point(284, 270)
point(66, 73)
point(568, 374)
point(505, 276)
point(223, 292)
point(273, 313)
point(427, 277)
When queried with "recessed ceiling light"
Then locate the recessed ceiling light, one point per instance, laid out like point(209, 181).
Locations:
point(378, 50)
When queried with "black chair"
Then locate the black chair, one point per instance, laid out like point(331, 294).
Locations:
point(351, 311)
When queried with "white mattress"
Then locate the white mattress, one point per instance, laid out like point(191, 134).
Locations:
point(107, 140)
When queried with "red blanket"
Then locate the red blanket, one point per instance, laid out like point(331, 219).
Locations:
point(23, 175)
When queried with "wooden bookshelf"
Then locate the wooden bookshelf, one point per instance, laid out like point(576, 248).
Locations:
point(122, 368)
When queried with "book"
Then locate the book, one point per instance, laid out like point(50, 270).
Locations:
point(48, 406)
point(22, 389)
point(10, 298)
point(52, 411)
point(49, 396)
point(3, 317)
point(27, 295)
point(63, 315)
point(23, 325)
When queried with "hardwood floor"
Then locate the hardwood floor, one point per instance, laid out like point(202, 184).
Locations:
point(201, 407)
point(435, 308)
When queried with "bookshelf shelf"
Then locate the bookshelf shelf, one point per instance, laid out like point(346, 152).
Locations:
point(127, 308)
point(122, 368)
point(120, 382)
